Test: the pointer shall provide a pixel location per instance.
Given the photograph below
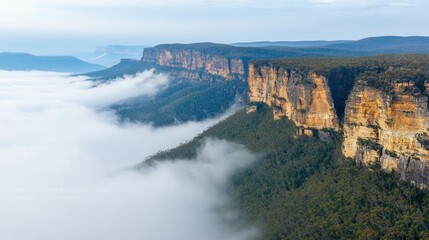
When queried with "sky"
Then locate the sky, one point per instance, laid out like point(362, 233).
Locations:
point(50, 26)
point(66, 167)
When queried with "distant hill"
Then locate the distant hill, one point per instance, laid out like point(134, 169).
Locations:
point(112, 54)
point(387, 45)
point(288, 43)
point(24, 61)
point(363, 47)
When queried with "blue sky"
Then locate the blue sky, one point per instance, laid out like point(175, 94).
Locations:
point(53, 26)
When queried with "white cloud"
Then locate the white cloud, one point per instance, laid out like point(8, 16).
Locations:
point(44, 86)
point(63, 166)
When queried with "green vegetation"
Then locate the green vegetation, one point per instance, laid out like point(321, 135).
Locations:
point(303, 188)
point(370, 144)
point(423, 138)
point(325, 65)
point(391, 153)
point(347, 202)
point(183, 101)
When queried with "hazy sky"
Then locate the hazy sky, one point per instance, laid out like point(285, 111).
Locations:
point(78, 25)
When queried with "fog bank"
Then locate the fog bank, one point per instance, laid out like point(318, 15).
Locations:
point(62, 163)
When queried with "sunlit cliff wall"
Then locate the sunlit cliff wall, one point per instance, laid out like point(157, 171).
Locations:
point(389, 128)
point(386, 127)
point(196, 63)
point(304, 98)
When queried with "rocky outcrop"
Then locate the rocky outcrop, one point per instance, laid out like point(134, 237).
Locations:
point(390, 128)
point(386, 119)
point(194, 63)
point(303, 97)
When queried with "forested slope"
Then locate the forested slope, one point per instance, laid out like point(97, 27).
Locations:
point(303, 188)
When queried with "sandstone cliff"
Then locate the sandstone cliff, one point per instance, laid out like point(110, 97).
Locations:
point(195, 63)
point(303, 97)
point(390, 128)
point(386, 115)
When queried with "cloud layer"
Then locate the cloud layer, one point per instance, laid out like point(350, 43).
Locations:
point(63, 161)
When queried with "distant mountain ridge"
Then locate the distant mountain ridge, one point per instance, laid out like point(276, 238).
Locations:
point(318, 43)
point(25, 62)
point(371, 45)
point(387, 44)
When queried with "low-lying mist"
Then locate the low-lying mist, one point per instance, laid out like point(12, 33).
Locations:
point(64, 166)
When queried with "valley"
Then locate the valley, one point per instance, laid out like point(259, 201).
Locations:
point(214, 120)
point(344, 133)
point(301, 142)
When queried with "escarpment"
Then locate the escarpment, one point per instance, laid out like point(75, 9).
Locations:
point(390, 128)
point(386, 115)
point(187, 61)
point(303, 97)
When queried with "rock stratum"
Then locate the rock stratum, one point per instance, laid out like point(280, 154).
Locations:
point(386, 116)
point(389, 128)
point(197, 62)
point(303, 97)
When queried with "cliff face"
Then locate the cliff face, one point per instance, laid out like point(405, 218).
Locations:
point(304, 98)
point(386, 115)
point(389, 128)
point(196, 64)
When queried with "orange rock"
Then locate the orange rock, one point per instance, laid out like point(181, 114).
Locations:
point(193, 60)
point(304, 99)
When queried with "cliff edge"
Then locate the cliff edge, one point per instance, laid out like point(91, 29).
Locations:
point(390, 128)
point(386, 115)
point(203, 61)
point(303, 97)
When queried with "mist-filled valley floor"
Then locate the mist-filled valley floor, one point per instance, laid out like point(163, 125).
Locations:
point(66, 165)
